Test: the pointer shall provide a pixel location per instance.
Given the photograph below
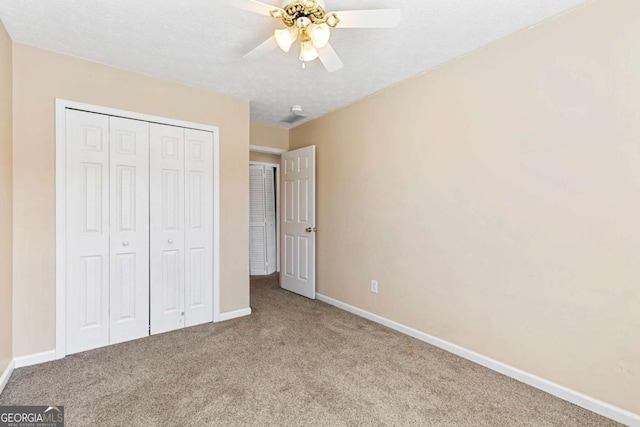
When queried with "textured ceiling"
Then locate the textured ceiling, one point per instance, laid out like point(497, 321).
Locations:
point(201, 43)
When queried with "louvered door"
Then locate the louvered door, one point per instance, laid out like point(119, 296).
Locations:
point(263, 238)
point(257, 225)
point(270, 218)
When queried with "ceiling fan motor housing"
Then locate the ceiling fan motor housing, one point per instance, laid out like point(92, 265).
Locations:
point(303, 22)
point(314, 10)
point(286, 3)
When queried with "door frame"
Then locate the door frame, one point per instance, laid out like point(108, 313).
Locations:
point(61, 105)
point(277, 179)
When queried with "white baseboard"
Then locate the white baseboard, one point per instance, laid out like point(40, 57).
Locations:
point(234, 314)
point(577, 398)
point(34, 359)
point(4, 378)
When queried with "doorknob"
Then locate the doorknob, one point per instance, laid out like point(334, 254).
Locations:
point(170, 241)
point(311, 230)
point(125, 243)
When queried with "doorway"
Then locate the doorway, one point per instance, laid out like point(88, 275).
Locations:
point(264, 233)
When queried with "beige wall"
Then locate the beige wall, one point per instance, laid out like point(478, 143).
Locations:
point(6, 199)
point(269, 136)
point(40, 77)
point(264, 157)
point(497, 201)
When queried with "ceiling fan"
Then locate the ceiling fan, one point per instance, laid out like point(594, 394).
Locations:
point(310, 23)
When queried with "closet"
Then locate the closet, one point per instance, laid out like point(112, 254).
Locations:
point(139, 229)
point(263, 233)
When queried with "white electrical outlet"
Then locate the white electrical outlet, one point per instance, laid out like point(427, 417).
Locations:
point(374, 286)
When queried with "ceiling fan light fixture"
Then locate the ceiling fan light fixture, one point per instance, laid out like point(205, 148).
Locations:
point(307, 51)
point(277, 13)
point(309, 24)
point(286, 37)
point(319, 34)
point(332, 19)
point(303, 22)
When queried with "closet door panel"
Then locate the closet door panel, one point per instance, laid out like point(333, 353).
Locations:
point(270, 218)
point(87, 217)
point(198, 227)
point(167, 252)
point(257, 226)
point(129, 224)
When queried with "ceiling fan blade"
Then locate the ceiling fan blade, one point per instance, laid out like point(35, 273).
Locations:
point(380, 18)
point(262, 50)
point(251, 6)
point(330, 58)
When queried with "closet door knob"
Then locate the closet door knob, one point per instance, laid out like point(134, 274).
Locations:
point(170, 241)
point(125, 243)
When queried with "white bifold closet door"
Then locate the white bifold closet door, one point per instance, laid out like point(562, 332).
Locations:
point(181, 170)
point(263, 253)
point(139, 229)
point(107, 181)
point(129, 225)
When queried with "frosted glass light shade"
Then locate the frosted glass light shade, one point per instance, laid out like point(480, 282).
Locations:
point(319, 34)
point(307, 51)
point(286, 37)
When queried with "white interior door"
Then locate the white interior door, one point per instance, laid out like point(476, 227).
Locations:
point(263, 237)
point(198, 227)
point(87, 231)
point(129, 229)
point(257, 225)
point(298, 225)
point(167, 227)
point(270, 218)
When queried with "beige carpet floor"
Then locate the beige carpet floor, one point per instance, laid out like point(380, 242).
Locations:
point(293, 362)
